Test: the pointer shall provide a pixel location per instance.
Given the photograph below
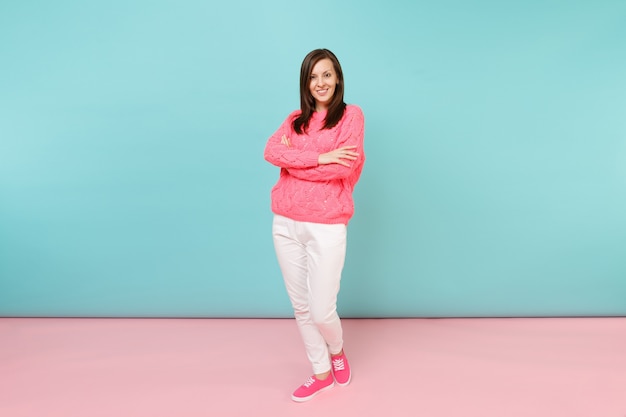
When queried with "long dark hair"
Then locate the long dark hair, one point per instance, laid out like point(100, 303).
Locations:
point(336, 106)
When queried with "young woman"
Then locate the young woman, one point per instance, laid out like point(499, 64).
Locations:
point(319, 150)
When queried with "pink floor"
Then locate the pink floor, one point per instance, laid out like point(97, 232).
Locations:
point(410, 367)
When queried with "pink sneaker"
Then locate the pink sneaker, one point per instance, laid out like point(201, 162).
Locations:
point(311, 388)
point(341, 369)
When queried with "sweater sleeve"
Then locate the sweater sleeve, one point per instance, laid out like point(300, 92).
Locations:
point(279, 154)
point(352, 133)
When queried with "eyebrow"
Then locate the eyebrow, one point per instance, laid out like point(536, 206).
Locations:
point(325, 72)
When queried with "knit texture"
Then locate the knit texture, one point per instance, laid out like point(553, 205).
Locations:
point(307, 191)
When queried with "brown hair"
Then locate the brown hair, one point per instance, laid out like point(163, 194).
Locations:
point(336, 107)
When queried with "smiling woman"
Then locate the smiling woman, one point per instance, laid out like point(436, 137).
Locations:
point(319, 150)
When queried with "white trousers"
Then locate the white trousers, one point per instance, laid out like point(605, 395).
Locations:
point(311, 258)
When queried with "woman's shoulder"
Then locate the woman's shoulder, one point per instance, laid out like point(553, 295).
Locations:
point(353, 109)
point(353, 112)
point(294, 114)
point(291, 117)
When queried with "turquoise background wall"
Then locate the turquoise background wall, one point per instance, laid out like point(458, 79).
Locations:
point(132, 179)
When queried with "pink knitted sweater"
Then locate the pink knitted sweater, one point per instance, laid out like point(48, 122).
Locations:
point(309, 192)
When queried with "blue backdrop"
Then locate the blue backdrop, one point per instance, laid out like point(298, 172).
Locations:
point(132, 179)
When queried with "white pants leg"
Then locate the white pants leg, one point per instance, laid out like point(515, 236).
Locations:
point(311, 257)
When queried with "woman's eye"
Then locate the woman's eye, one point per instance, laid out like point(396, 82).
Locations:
point(327, 75)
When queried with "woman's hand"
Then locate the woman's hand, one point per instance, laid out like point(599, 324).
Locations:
point(285, 141)
point(340, 156)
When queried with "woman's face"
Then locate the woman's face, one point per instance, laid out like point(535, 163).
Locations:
point(322, 83)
